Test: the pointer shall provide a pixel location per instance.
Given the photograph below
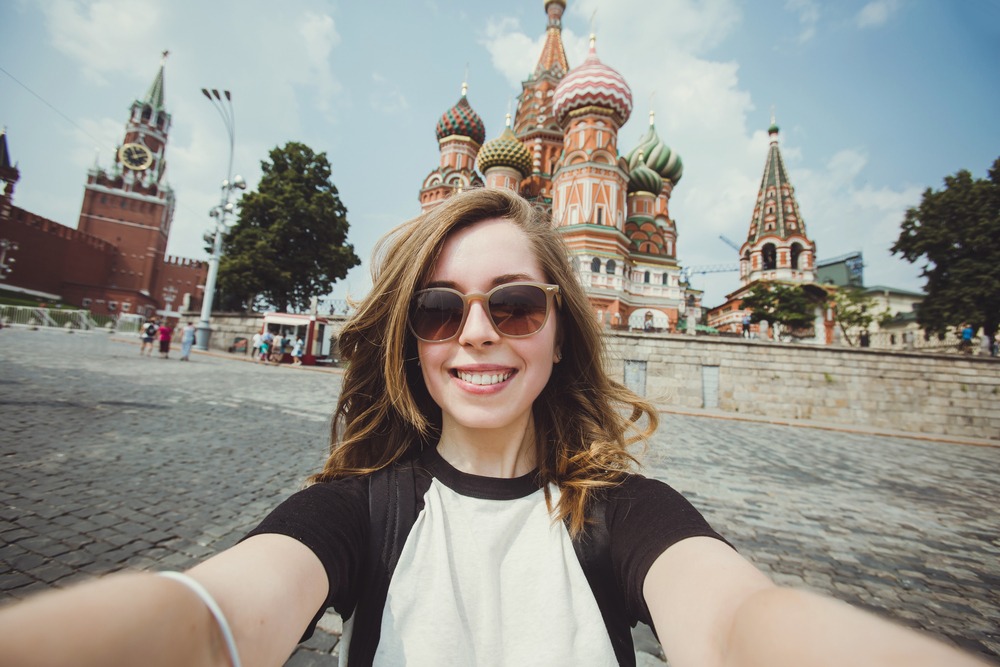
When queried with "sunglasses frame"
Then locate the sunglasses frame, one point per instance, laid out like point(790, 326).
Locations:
point(551, 291)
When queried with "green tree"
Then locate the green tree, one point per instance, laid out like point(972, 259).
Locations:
point(855, 310)
point(777, 303)
point(956, 232)
point(290, 241)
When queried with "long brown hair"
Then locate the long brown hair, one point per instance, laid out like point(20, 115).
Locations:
point(583, 420)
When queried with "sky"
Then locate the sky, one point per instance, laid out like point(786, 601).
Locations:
point(876, 100)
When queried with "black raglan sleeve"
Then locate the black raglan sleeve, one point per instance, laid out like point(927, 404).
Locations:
point(331, 519)
point(644, 518)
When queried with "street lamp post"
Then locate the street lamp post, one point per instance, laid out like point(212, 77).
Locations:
point(220, 214)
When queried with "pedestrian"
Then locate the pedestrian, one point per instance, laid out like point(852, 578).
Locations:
point(746, 325)
point(478, 506)
point(297, 352)
point(165, 332)
point(277, 348)
point(265, 347)
point(967, 333)
point(147, 333)
point(255, 342)
point(187, 340)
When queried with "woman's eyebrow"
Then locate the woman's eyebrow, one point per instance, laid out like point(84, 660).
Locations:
point(499, 280)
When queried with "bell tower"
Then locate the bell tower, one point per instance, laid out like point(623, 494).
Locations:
point(131, 205)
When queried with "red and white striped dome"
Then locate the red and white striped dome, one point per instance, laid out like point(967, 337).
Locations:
point(593, 84)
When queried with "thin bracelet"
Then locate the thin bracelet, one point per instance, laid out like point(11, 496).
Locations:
point(220, 619)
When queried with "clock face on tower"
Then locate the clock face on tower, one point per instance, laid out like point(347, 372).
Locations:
point(135, 156)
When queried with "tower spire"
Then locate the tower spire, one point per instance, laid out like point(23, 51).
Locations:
point(154, 96)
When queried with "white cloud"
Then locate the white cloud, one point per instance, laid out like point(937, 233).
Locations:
point(318, 35)
point(386, 97)
point(98, 33)
point(876, 13)
point(808, 11)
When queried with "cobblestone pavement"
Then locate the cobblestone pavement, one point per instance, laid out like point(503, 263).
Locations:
point(111, 460)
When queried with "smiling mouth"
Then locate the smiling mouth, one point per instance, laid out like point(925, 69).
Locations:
point(482, 379)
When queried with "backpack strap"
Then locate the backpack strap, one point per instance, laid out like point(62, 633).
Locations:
point(392, 513)
point(593, 550)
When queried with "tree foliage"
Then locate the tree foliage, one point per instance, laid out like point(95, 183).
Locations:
point(854, 310)
point(956, 233)
point(788, 305)
point(290, 241)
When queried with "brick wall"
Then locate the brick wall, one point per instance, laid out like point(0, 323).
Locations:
point(933, 394)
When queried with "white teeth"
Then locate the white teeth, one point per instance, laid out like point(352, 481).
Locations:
point(483, 378)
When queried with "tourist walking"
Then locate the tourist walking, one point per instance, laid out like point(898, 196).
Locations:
point(165, 332)
point(479, 505)
point(187, 340)
point(297, 352)
point(255, 345)
point(147, 334)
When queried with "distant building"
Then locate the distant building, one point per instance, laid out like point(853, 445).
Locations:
point(777, 250)
point(843, 271)
point(115, 260)
point(561, 154)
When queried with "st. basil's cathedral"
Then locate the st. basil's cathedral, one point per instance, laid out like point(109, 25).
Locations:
point(561, 153)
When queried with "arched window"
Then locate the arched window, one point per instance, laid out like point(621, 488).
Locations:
point(646, 279)
point(769, 257)
point(796, 251)
point(595, 265)
point(610, 268)
point(665, 277)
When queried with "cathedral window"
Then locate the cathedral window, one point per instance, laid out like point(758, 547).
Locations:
point(646, 278)
point(796, 251)
point(600, 139)
point(595, 265)
point(666, 277)
point(600, 216)
point(610, 268)
point(769, 256)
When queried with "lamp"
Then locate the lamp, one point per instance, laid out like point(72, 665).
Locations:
point(219, 214)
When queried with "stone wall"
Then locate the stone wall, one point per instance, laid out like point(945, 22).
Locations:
point(945, 394)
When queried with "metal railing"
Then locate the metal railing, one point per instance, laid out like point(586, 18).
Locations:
point(69, 320)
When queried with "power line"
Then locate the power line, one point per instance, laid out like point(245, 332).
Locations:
point(51, 106)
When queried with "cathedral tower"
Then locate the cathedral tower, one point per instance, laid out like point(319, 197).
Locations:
point(460, 134)
point(777, 248)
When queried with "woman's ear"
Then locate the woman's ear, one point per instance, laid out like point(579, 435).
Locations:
point(557, 355)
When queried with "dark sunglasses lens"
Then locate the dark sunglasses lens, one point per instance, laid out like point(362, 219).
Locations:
point(518, 310)
point(436, 315)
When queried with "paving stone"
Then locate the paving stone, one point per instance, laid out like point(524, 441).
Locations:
point(193, 455)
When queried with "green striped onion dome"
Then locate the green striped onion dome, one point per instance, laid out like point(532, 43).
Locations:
point(643, 179)
point(463, 121)
point(658, 156)
point(505, 151)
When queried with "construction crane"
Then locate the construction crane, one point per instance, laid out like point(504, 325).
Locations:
point(729, 242)
point(688, 271)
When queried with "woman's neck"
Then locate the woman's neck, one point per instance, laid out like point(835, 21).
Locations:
point(489, 453)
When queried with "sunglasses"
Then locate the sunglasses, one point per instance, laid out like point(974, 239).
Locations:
point(516, 310)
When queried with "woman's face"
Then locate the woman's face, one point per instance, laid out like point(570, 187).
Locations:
point(482, 379)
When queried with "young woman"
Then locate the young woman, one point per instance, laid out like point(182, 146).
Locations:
point(477, 507)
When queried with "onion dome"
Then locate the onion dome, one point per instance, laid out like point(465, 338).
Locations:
point(505, 151)
point(656, 155)
point(593, 84)
point(643, 179)
point(462, 120)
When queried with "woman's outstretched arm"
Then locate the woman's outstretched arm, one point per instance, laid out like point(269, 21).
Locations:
point(269, 587)
point(712, 608)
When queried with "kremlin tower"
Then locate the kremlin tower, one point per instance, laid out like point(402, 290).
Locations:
point(561, 153)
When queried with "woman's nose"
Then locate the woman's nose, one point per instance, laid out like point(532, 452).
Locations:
point(478, 328)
